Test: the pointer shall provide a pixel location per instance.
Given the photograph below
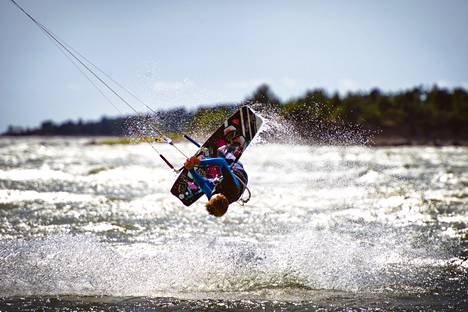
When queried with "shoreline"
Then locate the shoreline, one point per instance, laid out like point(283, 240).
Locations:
point(416, 141)
point(377, 141)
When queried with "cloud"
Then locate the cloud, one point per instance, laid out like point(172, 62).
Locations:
point(451, 85)
point(248, 83)
point(286, 82)
point(444, 83)
point(290, 83)
point(347, 85)
point(173, 86)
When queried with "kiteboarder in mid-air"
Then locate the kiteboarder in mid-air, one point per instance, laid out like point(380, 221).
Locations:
point(226, 187)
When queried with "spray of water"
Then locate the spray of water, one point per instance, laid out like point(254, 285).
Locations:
point(321, 217)
point(308, 128)
point(306, 259)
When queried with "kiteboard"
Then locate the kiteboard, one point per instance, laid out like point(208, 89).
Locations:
point(239, 129)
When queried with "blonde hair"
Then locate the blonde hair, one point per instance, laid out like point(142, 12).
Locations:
point(217, 205)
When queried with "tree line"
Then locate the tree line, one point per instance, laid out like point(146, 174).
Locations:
point(415, 114)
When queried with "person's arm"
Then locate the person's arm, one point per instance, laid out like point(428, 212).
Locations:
point(223, 165)
point(203, 183)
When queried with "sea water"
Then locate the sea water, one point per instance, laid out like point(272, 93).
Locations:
point(88, 226)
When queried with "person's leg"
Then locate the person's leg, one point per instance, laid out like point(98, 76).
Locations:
point(203, 183)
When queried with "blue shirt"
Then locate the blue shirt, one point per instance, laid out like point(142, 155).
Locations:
point(230, 186)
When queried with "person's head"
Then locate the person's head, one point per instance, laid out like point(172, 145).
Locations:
point(217, 205)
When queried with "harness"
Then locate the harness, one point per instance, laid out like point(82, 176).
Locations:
point(217, 180)
point(241, 200)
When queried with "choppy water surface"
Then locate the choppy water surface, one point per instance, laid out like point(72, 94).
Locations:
point(94, 226)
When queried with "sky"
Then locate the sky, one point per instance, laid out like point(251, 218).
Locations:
point(191, 53)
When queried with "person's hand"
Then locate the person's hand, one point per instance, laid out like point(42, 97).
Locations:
point(191, 162)
point(239, 140)
point(238, 152)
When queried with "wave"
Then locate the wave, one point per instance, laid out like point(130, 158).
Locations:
point(307, 260)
